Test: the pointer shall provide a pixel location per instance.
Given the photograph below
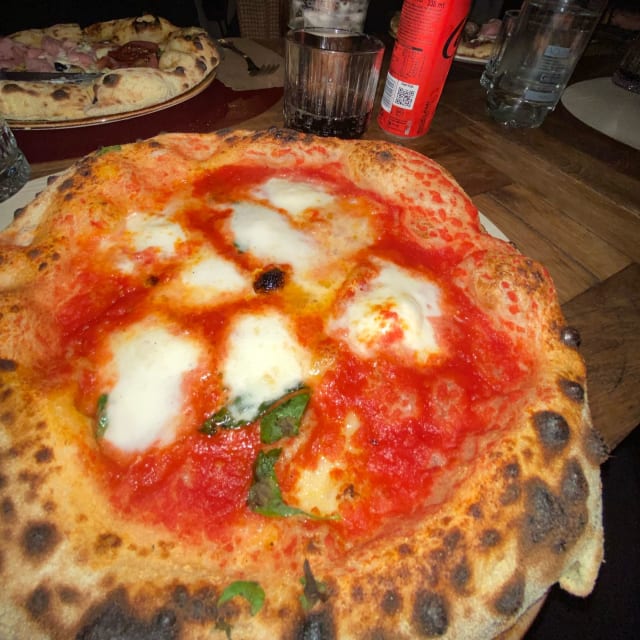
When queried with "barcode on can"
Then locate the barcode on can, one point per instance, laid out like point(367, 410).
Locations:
point(399, 94)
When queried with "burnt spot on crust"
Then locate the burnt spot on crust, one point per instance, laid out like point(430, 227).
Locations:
point(511, 597)
point(107, 542)
point(18, 212)
point(68, 595)
point(38, 602)
point(570, 337)
point(111, 80)
point(556, 521)
point(574, 487)
point(60, 95)
point(452, 539)
point(7, 418)
point(198, 606)
point(512, 490)
point(7, 510)
point(460, 576)
point(595, 447)
point(270, 280)
point(316, 626)
point(115, 618)
point(8, 365)
point(12, 87)
point(202, 65)
point(475, 511)
point(197, 43)
point(490, 538)
point(39, 539)
point(179, 71)
point(430, 614)
point(553, 430)
point(385, 156)
point(405, 549)
point(572, 390)
point(66, 185)
point(391, 602)
point(43, 455)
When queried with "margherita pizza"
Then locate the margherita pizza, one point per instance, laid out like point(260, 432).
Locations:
point(138, 62)
point(266, 385)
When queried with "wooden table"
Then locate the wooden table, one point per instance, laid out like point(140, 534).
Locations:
point(566, 195)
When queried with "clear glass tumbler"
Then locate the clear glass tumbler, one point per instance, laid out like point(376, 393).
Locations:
point(14, 168)
point(330, 81)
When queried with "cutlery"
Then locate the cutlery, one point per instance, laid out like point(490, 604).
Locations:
point(252, 67)
point(53, 76)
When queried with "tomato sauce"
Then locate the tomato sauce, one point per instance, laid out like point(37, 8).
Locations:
point(412, 421)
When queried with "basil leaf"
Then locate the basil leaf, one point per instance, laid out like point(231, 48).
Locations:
point(113, 147)
point(221, 419)
point(265, 496)
point(278, 419)
point(250, 591)
point(101, 415)
point(284, 419)
point(313, 590)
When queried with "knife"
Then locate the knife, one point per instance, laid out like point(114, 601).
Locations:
point(49, 76)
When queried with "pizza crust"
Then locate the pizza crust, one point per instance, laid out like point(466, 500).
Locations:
point(187, 57)
point(521, 512)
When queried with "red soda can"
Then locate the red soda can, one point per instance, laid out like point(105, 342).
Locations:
point(428, 35)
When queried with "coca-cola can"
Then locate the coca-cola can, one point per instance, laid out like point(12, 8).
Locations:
point(428, 35)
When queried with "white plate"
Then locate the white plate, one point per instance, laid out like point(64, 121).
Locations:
point(607, 108)
point(33, 187)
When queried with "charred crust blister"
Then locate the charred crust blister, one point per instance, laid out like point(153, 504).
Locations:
point(391, 602)
point(39, 539)
point(114, 616)
point(490, 538)
point(430, 614)
point(552, 429)
point(556, 520)
point(111, 80)
point(570, 337)
point(38, 601)
point(8, 365)
point(460, 576)
point(317, 626)
point(60, 94)
point(595, 447)
point(572, 390)
point(511, 597)
point(270, 280)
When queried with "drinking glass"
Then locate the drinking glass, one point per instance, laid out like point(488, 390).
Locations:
point(330, 81)
point(328, 14)
point(506, 29)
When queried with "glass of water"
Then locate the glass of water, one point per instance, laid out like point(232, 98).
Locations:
point(506, 29)
point(14, 168)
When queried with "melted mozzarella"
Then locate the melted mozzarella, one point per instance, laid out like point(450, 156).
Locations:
point(294, 197)
point(318, 489)
point(207, 275)
point(143, 406)
point(269, 236)
point(264, 362)
point(154, 231)
point(391, 313)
